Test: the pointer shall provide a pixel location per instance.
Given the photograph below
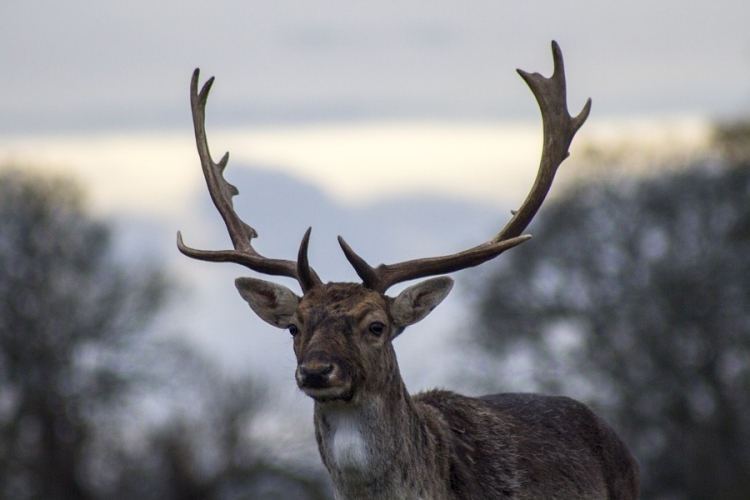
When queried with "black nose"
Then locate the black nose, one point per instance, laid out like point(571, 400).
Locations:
point(315, 374)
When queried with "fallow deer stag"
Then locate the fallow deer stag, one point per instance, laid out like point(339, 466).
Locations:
point(378, 441)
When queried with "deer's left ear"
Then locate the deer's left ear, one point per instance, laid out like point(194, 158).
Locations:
point(417, 301)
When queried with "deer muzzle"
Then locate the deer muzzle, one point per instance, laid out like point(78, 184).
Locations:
point(321, 378)
point(314, 375)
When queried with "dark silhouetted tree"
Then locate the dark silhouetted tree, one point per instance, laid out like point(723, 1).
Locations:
point(77, 366)
point(66, 307)
point(207, 450)
point(732, 140)
point(635, 296)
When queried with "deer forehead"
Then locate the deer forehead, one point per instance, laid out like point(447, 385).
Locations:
point(350, 302)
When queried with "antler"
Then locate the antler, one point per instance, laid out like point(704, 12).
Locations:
point(559, 128)
point(221, 194)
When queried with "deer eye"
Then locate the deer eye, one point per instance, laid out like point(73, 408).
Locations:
point(293, 330)
point(377, 328)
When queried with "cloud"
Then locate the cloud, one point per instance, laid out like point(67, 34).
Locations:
point(125, 65)
point(354, 164)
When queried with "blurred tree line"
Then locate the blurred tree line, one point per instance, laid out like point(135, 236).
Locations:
point(635, 297)
point(86, 392)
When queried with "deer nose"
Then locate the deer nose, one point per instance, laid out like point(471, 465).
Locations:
point(314, 374)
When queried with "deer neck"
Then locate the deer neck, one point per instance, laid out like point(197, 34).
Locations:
point(379, 446)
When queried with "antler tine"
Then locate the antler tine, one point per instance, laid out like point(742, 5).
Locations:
point(221, 193)
point(384, 276)
point(559, 128)
point(305, 275)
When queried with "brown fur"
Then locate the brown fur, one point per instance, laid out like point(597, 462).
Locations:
point(378, 442)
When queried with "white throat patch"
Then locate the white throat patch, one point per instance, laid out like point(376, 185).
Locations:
point(349, 448)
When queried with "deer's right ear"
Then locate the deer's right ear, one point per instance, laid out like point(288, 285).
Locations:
point(274, 304)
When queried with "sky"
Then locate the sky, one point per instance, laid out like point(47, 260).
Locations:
point(366, 100)
point(91, 65)
point(362, 100)
point(85, 64)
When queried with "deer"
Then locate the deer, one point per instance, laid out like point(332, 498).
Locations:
point(376, 440)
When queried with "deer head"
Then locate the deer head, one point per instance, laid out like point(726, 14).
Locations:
point(343, 331)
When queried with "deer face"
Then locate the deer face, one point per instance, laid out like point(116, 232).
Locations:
point(343, 331)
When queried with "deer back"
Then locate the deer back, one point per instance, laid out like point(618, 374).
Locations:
point(531, 446)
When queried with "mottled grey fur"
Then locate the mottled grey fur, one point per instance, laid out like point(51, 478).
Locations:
point(379, 442)
point(441, 445)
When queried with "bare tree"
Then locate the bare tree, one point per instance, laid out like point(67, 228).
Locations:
point(75, 360)
point(636, 298)
point(67, 305)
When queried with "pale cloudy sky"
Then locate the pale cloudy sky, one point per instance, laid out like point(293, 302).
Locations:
point(89, 64)
point(361, 98)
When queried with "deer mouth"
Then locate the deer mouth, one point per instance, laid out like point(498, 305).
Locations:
point(323, 381)
point(332, 393)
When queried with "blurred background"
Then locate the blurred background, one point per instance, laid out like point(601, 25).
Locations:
point(129, 371)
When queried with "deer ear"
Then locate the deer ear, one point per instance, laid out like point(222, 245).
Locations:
point(417, 301)
point(275, 304)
